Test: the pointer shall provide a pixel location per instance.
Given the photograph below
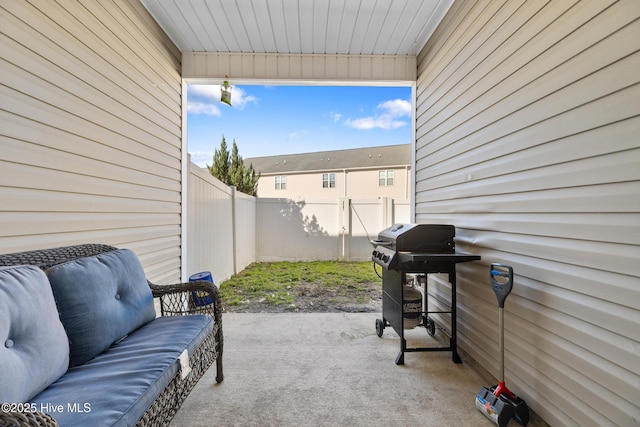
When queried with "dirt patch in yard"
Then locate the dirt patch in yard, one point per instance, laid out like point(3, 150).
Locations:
point(307, 289)
point(316, 299)
point(316, 286)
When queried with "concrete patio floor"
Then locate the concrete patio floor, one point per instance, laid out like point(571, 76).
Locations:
point(331, 369)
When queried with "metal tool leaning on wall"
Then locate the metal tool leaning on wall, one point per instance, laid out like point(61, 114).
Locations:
point(498, 403)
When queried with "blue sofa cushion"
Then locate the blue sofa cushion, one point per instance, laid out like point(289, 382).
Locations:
point(101, 299)
point(118, 386)
point(34, 350)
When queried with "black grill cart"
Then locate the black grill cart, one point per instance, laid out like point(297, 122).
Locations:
point(422, 249)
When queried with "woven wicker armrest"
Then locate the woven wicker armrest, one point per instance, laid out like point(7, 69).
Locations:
point(26, 419)
point(189, 298)
point(194, 298)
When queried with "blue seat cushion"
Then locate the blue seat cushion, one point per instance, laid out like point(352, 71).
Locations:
point(118, 386)
point(101, 299)
point(34, 350)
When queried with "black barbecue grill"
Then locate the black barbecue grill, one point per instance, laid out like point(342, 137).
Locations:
point(420, 249)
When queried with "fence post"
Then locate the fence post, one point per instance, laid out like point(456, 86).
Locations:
point(234, 224)
point(386, 206)
point(344, 222)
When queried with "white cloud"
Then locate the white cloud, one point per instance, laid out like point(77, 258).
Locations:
point(298, 134)
point(205, 99)
point(195, 107)
point(239, 98)
point(396, 107)
point(382, 122)
point(388, 115)
point(201, 158)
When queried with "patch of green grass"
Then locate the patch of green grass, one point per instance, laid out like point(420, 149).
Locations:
point(281, 283)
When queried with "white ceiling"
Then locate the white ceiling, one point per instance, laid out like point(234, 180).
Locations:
point(355, 27)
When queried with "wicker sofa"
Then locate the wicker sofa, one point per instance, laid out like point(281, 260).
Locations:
point(83, 344)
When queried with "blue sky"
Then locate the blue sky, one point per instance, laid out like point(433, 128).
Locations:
point(271, 120)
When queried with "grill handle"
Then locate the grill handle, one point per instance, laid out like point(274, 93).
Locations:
point(380, 242)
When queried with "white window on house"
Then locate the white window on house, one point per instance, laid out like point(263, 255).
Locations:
point(385, 178)
point(281, 182)
point(328, 180)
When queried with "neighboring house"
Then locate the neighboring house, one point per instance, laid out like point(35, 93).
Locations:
point(356, 173)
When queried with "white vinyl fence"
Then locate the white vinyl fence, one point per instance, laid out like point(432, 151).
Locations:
point(228, 230)
point(221, 226)
point(306, 230)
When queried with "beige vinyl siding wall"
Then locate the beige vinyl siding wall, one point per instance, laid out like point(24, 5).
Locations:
point(528, 140)
point(301, 185)
point(365, 183)
point(90, 130)
point(355, 183)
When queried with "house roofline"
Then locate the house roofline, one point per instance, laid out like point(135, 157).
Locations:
point(363, 168)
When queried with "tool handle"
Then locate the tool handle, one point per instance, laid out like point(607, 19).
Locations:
point(501, 281)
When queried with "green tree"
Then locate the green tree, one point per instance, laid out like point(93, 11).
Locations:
point(236, 168)
point(230, 169)
point(220, 166)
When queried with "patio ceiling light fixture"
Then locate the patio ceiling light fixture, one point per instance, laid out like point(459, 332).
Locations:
point(225, 93)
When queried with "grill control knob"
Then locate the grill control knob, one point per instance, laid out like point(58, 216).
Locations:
point(385, 258)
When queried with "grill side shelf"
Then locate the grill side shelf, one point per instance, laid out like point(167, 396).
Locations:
point(406, 257)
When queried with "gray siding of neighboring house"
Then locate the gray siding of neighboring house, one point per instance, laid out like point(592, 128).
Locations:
point(528, 140)
point(90, 130)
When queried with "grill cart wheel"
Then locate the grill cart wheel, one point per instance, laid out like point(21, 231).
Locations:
point(379, 327)
point(430, 325)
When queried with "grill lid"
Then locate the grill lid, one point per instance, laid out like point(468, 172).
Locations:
point(420, 238)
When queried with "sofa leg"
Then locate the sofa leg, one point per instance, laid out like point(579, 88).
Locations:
point(220, 375)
